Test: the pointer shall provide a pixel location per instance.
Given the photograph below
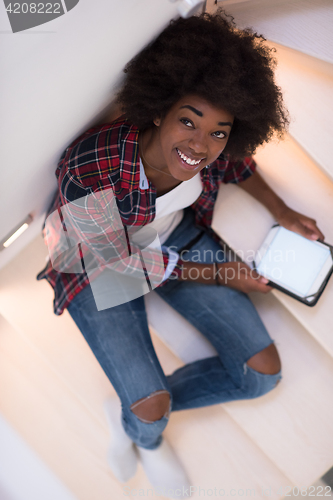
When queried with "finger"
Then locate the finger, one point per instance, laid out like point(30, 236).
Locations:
point(263, 283)
point(316, 233)
point(264, 288)
point(255, 276)
point(256, 282)
point(258, 286)
point(305, 231)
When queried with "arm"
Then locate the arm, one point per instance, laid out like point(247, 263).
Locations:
point(238, 275)
point(235, 275)
point(285, 216)
point(89, 230)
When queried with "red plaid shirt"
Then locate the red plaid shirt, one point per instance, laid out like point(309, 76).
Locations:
point(103, 160)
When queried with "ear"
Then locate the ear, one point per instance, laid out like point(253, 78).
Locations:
point(157, 122)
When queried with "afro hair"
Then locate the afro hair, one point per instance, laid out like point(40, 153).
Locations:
point(207, 56)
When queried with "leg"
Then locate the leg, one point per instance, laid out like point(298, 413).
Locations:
point(247, 364)
point(120, 339)
point(266, 361)
point(153, 407)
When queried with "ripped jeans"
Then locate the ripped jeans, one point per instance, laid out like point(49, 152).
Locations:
point(120, 340)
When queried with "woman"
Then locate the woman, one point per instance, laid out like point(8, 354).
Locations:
point(197, 102)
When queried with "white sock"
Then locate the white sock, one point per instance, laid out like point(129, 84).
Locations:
point(122, 456)
point(165, 471)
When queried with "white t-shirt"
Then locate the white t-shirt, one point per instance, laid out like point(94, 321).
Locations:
point(169, 206)
point(169, 212)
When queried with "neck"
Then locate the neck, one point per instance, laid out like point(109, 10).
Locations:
point(148, 144)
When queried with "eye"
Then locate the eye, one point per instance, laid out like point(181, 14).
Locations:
point(186, 122)
point(220, 135)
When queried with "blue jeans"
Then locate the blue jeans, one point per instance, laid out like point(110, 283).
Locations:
point(120, 339)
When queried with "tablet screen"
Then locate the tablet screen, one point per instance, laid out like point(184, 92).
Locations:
point(293, 261)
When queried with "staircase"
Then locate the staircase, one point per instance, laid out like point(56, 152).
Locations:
point(52, 388)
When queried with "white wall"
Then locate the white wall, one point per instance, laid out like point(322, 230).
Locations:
point(57, 79)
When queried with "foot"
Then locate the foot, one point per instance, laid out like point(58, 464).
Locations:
point(164, 471)
point(122, 456)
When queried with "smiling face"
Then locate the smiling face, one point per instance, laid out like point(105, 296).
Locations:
point(192, 135)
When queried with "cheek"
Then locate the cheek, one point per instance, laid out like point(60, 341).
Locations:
point(217, 149)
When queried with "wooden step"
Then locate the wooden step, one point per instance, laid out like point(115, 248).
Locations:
point(307, 85)
point(292, 424)
point(302, 25)
point(23, 475)
point(51, 418)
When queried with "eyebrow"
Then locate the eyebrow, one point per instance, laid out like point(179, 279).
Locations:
point(199, 113)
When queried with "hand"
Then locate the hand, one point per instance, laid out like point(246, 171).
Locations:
point(301, 224)
point(241, 277)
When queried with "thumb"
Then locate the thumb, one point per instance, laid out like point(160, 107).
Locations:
point(306, 231)
point(258, 277)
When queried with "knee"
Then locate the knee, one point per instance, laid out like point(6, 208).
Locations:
point(266, 361)
point(152, 407)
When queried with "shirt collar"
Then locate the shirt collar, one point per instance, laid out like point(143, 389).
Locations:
point(144, 184)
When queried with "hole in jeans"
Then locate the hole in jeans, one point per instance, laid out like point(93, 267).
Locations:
point(153, 407)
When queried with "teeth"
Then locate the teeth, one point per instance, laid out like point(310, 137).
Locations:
point(188, 160)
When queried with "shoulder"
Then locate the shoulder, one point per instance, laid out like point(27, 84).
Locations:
point(220, 165)
point(115, 135)
point(99, 152)
point(229, 169)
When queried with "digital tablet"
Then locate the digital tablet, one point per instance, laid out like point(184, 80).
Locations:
point(295, 265)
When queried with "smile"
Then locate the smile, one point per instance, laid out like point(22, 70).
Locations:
point(187, 159)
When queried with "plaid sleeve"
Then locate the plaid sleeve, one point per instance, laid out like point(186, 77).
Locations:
point(87, 233)
point(239, 170)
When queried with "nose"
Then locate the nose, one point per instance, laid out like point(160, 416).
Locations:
point(197, 143)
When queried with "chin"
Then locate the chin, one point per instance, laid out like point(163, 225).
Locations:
point(184, 175)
